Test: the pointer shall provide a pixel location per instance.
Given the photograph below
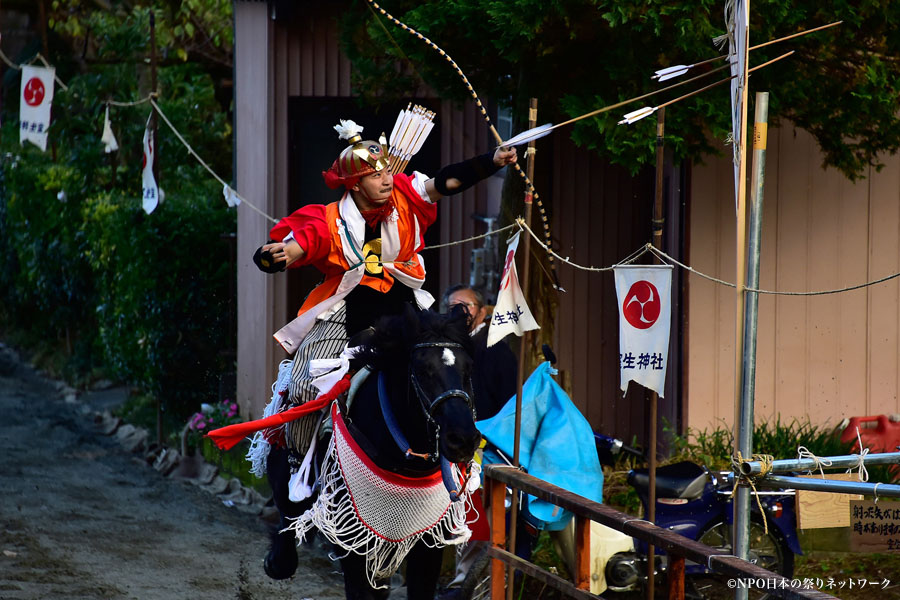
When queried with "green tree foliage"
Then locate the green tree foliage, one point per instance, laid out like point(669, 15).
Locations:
point(842, 84)
point(143, 297)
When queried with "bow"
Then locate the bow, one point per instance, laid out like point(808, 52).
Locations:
point(529, 186)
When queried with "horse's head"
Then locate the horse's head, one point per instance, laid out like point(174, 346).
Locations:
point(434, 353)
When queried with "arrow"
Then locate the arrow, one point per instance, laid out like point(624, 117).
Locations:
point(679, 70)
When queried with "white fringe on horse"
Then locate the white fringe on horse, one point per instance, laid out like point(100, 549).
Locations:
point(377, 514)
point(259, 446)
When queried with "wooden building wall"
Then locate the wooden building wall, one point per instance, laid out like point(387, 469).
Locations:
point(600, 215)
point(824, 357)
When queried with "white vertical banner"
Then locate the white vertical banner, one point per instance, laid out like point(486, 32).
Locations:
point(35, 100)
point(645, 318)
point(511, 313)
point(150, 191)
point(736, 23)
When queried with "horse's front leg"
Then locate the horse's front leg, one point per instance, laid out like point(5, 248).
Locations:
point(281, 560)
point(356, 583)
point(423, 567)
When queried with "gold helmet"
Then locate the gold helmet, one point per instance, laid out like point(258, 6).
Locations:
point(359, 159)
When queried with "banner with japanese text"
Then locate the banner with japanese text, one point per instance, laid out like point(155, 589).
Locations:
point(645, 316)
point(511, 313)
point(34, 105)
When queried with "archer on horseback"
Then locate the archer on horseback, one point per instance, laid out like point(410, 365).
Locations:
point(366, 245)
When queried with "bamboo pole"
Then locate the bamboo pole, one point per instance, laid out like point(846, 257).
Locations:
point(658, 220)
point(526, 338)
point(154, 149)
point(741, 534)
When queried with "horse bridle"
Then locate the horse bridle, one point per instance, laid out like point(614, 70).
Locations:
point(429, 407)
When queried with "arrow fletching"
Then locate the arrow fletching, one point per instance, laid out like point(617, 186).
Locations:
point(671, 72)
point(429, 125)
point(397, 124)
point(527, 136)
point(409, 133)
point(637, 115)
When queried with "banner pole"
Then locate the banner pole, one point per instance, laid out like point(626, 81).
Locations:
point(523, 345)
point(658, 221)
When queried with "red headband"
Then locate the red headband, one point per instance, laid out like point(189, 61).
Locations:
point(334, 181)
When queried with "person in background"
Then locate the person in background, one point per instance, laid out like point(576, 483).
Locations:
point(494, 384)
point(494, 377)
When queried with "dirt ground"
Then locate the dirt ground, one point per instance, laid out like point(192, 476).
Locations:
point(82, 518)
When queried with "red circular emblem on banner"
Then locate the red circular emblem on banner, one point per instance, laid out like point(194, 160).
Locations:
point(642, 305)
point(34, 92)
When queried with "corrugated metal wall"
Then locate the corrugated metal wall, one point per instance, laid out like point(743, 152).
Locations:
point(825, 357)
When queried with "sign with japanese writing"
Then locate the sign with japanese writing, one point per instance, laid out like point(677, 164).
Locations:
point(34, 105)
point(645, 316)
point(150, 191)
point(874, 526)
point(511, 314)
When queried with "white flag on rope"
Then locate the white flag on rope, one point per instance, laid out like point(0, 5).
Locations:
point(34, 105)
point(150, 191)
point(645, 316)
point(108, 138)
point(511, 313)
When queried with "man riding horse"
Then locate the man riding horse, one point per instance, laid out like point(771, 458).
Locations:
point(366, 245)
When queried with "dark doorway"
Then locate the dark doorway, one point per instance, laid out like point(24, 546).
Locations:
point(313, 145)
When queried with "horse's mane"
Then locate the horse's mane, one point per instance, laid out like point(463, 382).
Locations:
point(394, 336)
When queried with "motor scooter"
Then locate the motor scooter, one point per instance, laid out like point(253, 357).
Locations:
point(696, 503)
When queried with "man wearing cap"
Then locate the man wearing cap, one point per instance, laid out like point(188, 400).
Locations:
point(366, 245)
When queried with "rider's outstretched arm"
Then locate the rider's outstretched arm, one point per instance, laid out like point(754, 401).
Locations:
point(459, 177)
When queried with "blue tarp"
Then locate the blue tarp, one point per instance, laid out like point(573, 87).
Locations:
point(556, 444)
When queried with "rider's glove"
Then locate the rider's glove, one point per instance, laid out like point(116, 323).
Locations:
point(264, 261)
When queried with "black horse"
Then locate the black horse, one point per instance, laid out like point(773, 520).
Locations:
point(422, 362)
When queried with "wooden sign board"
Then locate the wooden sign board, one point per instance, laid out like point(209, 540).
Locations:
point(874, 526)
point(817, 510)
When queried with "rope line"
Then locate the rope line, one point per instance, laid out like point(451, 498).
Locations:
point(766, 466)
point(528, 184)
point(648, 247)
point(551, 254)
point(473, 238)
point(135, 103)
point(662, 255)
point(818, 463)
point(863, 472)
point(631, 258)
point(202, 162)
point(28, 62)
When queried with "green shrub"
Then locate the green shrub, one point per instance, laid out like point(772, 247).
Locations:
point(781, 440)
point(713, 448)
point(147, 299)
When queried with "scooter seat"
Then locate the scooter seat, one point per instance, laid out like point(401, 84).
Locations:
point(679, 480)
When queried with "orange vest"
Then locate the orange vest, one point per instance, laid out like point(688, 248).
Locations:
point(407, 262)
point(345, 264)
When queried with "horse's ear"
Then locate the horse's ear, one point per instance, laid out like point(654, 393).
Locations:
point(458, 311)
point(411, 318)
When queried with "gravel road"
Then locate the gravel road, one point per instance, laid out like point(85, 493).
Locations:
point(83, 518)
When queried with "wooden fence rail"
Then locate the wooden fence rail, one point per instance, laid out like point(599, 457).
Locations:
point(678, 547)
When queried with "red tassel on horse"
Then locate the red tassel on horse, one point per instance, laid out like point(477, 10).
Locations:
point(227, 438)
